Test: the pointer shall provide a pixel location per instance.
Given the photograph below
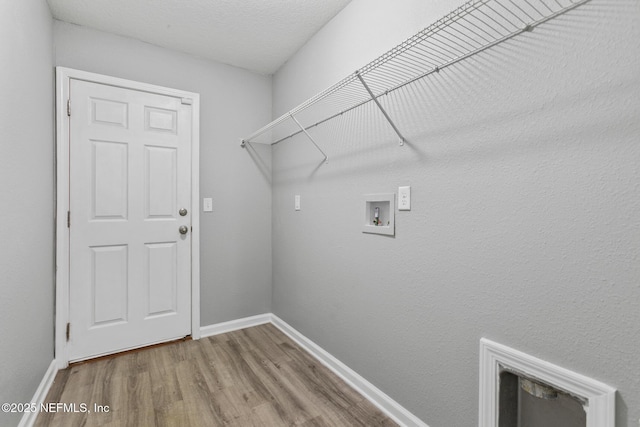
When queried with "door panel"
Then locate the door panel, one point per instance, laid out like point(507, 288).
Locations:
point(110, 180)
point(161, 278)
point(160, 120)
point(109, 284)
point(109, 112)
point(130, 173)
point(160, 182)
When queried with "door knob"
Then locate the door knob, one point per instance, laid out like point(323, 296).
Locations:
point(182, 212)
point(183, 229)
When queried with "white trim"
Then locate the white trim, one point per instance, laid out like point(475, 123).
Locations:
point(62, 205)
point(195, 217)
point(494, 358)
point(376, 396)
point(234, 325)
point(29, 418)
point(63, 77)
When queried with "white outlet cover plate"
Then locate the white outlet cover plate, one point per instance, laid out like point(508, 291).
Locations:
point(404, 198)
point(297, 202)
point(207, 204)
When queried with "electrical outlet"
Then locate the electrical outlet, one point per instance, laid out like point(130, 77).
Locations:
point(404, 198)
point(297, 202)
point(207, 204)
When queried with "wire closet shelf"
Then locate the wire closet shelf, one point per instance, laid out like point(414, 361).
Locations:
point(470, 29)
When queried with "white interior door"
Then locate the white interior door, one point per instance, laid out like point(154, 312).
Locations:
point(130, 177)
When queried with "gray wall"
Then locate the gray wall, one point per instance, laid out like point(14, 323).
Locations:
point(26, 191)
point(525, 221)
point(236, 237)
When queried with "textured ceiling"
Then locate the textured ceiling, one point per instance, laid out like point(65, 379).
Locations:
point(259, 35)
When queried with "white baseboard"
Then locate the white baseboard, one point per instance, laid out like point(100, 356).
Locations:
point(376, 396)
point(29, 418)
point(234, 325)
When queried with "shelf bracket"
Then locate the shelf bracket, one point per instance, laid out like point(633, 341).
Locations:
point(373, 97)
point(326, 159)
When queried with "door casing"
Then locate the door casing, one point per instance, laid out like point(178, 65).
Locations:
point(63, 77)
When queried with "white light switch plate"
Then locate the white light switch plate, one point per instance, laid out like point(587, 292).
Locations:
point(404, 198)
point(207, 204)
point(297, 202)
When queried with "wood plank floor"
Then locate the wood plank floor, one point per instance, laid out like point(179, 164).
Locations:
point(252, 377)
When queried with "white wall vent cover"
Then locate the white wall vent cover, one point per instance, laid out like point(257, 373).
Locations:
point(496, 358)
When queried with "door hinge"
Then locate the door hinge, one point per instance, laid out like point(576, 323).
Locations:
point(68, 331)
point(69, 107)
point(68, 219)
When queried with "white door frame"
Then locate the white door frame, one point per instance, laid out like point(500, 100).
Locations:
point(63, 77)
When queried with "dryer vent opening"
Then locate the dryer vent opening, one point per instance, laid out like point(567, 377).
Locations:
point(525, 402)
point(520, 390)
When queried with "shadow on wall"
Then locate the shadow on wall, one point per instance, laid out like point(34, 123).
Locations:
point(500, 101)
point(258, 155)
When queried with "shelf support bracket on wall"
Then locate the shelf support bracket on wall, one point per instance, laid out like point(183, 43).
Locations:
point(373, 97)
point(472, 28)
point(326, 159)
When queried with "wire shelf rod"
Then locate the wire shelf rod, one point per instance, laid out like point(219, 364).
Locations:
point(426, 33)
point(472, 29)
point(465, 40)
point(468, 30)
point(456, 40)
point(410, 61)
point(417, 57)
